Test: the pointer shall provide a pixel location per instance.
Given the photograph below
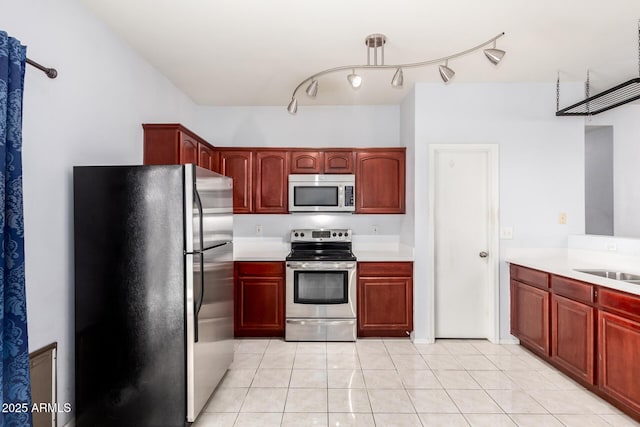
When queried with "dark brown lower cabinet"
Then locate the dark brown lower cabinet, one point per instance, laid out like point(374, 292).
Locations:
point(595, 332)
point(530, 316)
point(385, 299)
point(619, 358)
point(572, 337)
point(619, 348)
point(259, 299)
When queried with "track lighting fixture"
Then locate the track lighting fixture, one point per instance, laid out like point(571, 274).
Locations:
point(293, 106)
point(398, 79)
point(494, 55)
point(312, 89)
point(445, 72)
point(375, 60)
point(354, 79)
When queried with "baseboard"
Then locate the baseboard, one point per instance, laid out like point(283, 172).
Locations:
point(509, 341)
point(423, 341)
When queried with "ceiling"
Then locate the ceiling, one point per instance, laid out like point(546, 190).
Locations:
point(255, 52)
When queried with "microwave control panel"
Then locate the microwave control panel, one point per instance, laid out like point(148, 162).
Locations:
point(349, 199)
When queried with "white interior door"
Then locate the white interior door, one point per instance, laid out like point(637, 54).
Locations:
point(463, 223)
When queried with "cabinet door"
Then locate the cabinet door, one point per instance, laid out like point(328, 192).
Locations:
point(271, 190)
point(385, 306)
point(380, 182)
point(207, 158)
point(259, 300)
point(530, 316)
point(338, 162)
point(618, 363)
point(306, 162)
point(238, 164)
point(188, 149)
point(572, 337)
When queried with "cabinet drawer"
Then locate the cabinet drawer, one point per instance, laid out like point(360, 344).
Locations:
point(536, 278)
point(260, 268)
point(395, 269)
point(572, 289)
point(619, 302)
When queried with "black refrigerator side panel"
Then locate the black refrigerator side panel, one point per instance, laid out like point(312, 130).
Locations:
point(129, 296)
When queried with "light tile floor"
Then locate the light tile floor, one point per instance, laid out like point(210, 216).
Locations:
point(397, 383)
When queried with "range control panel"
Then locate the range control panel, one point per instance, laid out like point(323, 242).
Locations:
point(321, 235)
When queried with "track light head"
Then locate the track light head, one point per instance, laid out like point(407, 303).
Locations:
point(312, 89)
point(354, 79)
point(292, 108)
point(398, 79)
point(446, 73)
point(494, 55)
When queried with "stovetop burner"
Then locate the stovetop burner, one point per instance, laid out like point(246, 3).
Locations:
point(321, 245)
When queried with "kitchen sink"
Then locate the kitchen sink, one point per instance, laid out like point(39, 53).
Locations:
point(616, 275)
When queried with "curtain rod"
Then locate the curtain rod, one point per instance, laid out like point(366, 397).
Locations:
point(50, 72)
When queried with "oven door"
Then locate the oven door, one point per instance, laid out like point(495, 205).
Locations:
point(321, 289)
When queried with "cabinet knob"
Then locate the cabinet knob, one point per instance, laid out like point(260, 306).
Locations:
point(483, 254)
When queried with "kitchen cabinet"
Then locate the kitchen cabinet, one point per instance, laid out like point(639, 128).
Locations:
point(271, 182)
point(619, 347)
point(530, 308)
point(595, 332)
point(238, 164)
point(573, 327)
point(307, 161)
point(380, 181)
point(172, 143)
point(207, 158)
point(259, 299)
point(339, 161)
point(385, 299)
point(322, 161)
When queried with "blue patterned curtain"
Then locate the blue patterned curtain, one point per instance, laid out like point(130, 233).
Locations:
point(14, 374)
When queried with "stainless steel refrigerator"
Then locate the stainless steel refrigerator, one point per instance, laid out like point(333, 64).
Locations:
point(153, 293)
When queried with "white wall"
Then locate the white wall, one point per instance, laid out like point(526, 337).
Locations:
point(541, 167)
point(626, 153)
point(407, 139)
point(322, 126)
point(90, 114)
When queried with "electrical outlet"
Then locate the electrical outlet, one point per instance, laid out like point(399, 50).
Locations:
point(562, 219)
point(258, 230)
point(612, 247)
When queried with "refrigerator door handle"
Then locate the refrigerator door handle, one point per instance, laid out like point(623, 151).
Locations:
point(197, 305)
point(200, 219)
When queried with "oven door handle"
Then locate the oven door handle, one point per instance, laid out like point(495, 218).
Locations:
point(326, 265)
point(321, 321)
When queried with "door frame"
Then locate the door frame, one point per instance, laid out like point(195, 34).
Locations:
point(492, 150)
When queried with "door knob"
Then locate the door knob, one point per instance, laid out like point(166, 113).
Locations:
point(484, 254)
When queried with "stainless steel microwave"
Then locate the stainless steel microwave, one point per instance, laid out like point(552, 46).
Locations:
point(322, 193)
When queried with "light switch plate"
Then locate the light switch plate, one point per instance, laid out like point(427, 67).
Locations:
point(506, 233)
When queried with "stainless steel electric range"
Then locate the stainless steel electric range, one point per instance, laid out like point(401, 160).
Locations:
point(321, 286)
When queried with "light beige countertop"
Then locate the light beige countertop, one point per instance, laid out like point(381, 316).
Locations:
point(565, 262)
point(382, 252)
